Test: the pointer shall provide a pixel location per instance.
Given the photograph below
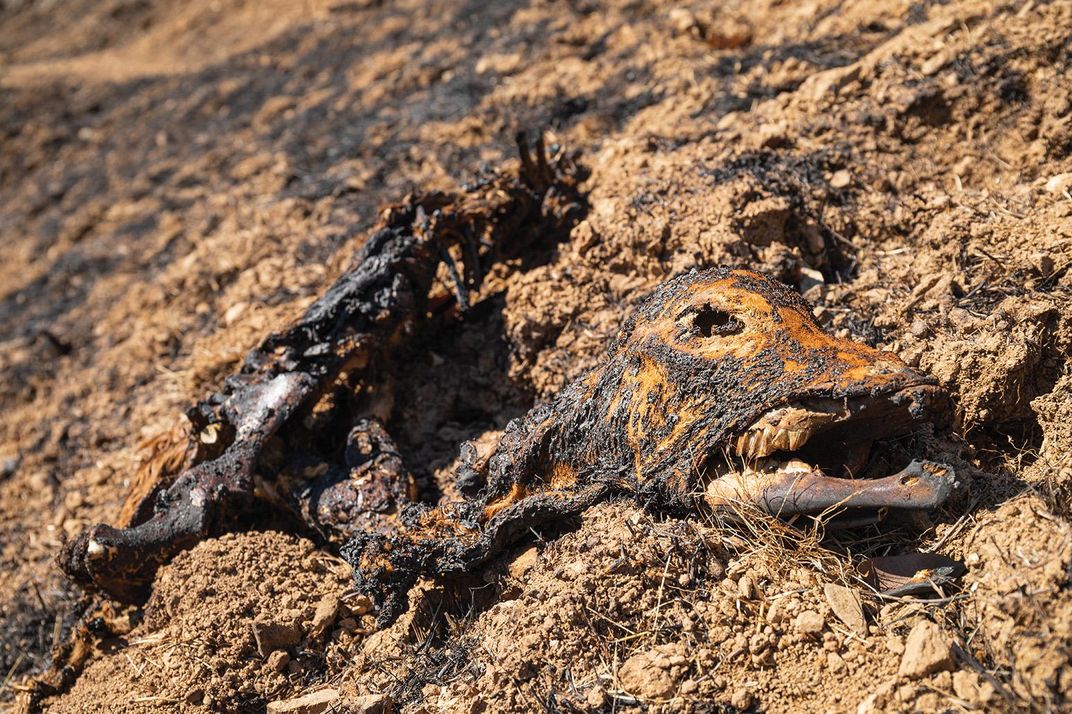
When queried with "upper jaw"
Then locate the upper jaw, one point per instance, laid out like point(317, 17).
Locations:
point(842, 422)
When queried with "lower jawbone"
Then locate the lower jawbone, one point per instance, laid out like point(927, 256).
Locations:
point(808, 456)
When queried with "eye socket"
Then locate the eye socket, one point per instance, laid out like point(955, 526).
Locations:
point(708, 321)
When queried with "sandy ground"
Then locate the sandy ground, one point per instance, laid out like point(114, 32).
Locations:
point(179, 179)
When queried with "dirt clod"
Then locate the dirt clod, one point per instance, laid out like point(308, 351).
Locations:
point(648, 675)
point(324, 616)
point(927, 650)
point(278, 661)
point(809, 622)
point(742, 699)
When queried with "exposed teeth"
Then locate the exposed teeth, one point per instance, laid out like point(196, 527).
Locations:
point(784, 429)
point(796, 439)
point(767, 440)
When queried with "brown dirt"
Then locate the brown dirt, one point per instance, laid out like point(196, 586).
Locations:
point(178, 179)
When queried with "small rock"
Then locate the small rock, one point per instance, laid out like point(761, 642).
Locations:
point(1059, 183)
point(234, 312)
point(596, 698)
point(879, 700)
point(930, 67)
point(776, 612)
point(809, 622)
point(504, 63)
point(741, 699)
point(522, 564)
point(847, 606)
point(834, 662)
point(311, 703)
point(368, 704)
point(774, 135)
point(683, 21)
point(271, 636)
point(832, 81)
point(926, 702)
point(728, 33)
point(727, 121)
point(840, 179)
point(927, 650)
point(745, 587)
point(324, 616)
point(278, 661)
point(1043, 263)
point(906, 693)
point(360, 605)
point(868, 705)
point(8, 466)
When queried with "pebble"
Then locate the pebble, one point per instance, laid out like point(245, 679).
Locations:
point(683, 20)
point(234, 312)
point(931, 66)
point(8, 466)
point(311, 703)
point(324, 616)
point(1043, 263)
point(728, 34)
point(776, 612)
point(847, 606)
point(278, 661)
point(840, 179)
point(745, 587)
point(927, 650)
point(368, 704)
point(1059, 183)
point(360, 605)
point(809, 622)
point(271, 636)
point(741, 698)
point(774, 135)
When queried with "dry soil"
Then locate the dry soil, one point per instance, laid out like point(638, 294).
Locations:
point(178, 179)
